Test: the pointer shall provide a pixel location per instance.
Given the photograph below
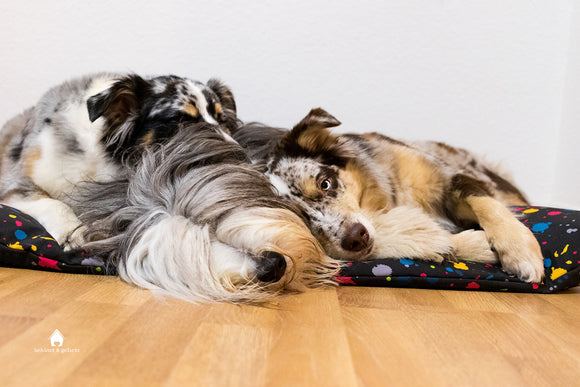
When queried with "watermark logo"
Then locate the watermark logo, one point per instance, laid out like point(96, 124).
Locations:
point(56, 343)
point(56, 339)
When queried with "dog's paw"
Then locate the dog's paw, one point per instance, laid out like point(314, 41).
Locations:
point(74, 240)
point(472, 245)
point(520, 253)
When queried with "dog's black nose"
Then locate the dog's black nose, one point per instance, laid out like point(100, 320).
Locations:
point(356, 238)
point(271, 267)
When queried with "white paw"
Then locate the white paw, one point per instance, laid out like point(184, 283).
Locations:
point(74, 240)
point(472, 245)
point(520, 254)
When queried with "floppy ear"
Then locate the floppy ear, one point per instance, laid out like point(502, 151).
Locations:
point(224, 94)
point(123, 99)
point(312, 134)
point(226, 112)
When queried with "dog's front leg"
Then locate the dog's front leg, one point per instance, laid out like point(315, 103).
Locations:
point(55, 216)
point(516, 246)
point(410, 232)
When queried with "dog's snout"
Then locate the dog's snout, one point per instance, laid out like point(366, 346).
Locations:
point(272, 267)
point(356, 238)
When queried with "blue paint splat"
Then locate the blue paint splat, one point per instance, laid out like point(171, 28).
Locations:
point(19, 234)
point(541, 227)
point(432, 280)
point(406, 262)
point(489, 277)
point(449, 269)
point(547, 262)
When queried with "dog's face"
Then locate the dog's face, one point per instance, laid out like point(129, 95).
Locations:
point(318, 171)
point(139, 111)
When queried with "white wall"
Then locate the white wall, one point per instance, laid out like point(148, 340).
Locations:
point(490, 76)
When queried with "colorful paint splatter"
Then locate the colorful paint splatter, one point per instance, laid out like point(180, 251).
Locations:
point(556, 231)
point(24, 243)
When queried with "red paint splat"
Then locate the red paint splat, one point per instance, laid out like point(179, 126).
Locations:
point(520, 209)
point(544, 243)
point(472, 285)
point(554, 212)
point(18, 223)
point(345, 280)
point(535, 286)
point(48, 245)
point(45, 262)
point(423, 275)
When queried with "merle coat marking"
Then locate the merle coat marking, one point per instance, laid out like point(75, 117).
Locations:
point(92, 129)
point(371, 196)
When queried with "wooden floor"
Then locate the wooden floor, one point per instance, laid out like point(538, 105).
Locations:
point(115, 334)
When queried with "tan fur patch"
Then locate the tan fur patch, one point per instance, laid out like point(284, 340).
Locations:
point(364, 189)
point(316, 139)
point(218, 108)
point(422, 179)
point(148, 138)
point(352, 181)
point(191, 110)
point(31, 159)
point(310, 189)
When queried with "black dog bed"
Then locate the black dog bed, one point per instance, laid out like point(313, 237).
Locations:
point(26, 244)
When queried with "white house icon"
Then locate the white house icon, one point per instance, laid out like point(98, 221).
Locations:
point(56, 339)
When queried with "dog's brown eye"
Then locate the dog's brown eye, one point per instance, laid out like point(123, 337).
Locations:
point(325, 184)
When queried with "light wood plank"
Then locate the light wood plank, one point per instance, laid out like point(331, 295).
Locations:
point(346, 336)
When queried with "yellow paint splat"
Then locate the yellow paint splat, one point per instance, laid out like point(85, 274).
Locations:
point(557, 273)
point(460, 266)
point(565, 249)
point(48, 239)
point(16, 246)
point(12, 216)
point(33, 247)
point(556, 254)
point(569, 262)
point(530, 210)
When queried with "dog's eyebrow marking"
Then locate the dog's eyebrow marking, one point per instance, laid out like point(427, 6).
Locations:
point(190, 109)
point(279, 184)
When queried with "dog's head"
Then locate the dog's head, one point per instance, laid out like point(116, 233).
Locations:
point(321, 173)
point(141, 111)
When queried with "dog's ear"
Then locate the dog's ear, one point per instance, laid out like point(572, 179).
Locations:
point(312, 134)
point(311, 137)
point(224, 94)
point(123, 99)
point(226, 112)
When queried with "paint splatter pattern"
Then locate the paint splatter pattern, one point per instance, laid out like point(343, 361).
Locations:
point(24, 243)
point(557, 231)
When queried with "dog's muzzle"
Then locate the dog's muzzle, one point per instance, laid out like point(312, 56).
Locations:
point(272, 267)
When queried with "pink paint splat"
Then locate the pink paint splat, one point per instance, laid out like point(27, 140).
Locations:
point(18, 223)
point(535, 286)
point(544, 243)
point(423, 275)
point(48, 245)
point(552, 213)
point(51, 263)
point(519, 209)
point(345, 280)
point(473, 285)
